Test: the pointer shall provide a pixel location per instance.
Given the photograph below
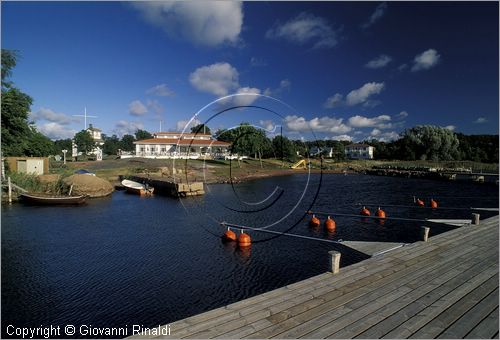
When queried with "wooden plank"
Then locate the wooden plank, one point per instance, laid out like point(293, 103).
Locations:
point(472, 318)
point(487, 328)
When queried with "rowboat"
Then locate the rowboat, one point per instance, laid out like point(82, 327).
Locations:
point(41, 199)
point(137, 188)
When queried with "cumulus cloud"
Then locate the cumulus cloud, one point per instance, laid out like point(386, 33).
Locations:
point(208, 23)
point(284, 85)
point(267, 124)
point(376, 15)
point(402, 67)
point(379, 62)
point(384, 136)
point(257, 62)
point(218, 79)
point(450, 127)
point(425, 60)
point(323, 124)
point(355, 97)
point(303, 29)
point(402, 115)
point(380, 122)
point(185, 124)
point(55, 130)
point(160, 90)
point(51, 116)
point(154, 105)
point(480, 120)
point(345, 138)
point(137, 108)
point(123, 127)
point(246, 96)
point(362, 94)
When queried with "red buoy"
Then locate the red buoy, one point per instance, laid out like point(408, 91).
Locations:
point(434, 204)
point(420, 203)
point(365, 212)
point(244, 240)
point(314, 222)
point(330, 224)
point(380, 213)
point(229, 235)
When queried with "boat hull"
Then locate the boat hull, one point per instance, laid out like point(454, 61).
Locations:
point(52, 200)
point(137, 188)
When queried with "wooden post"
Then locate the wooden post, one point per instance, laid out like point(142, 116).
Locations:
point(10, 189)
point(475, 219)
point(70, 189)
point(334, 261)
point(425, 233)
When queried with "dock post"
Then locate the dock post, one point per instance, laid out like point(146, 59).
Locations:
point(10, 189)
point(425, 233)
point(475, 219)
point(334, 261)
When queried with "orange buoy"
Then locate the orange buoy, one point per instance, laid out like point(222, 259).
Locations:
point(229, 235)
point(380, 213)
point(314, 222)
point(244, 240)
point(434, 204)
point(330, 224)
point(420, 203)
point(365, 212)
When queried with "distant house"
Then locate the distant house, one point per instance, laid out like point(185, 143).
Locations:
point(359, 151)
point(97, 137)
point(181, 145)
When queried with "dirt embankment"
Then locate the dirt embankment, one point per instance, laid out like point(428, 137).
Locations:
point(89, 185)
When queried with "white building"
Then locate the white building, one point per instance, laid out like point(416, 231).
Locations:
point(359, 151)
point(181, 145)
point(97, 137)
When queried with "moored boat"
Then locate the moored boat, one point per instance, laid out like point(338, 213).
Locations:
point(137, 188)
point(44, 199)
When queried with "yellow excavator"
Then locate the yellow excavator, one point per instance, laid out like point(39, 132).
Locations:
point(302, 164)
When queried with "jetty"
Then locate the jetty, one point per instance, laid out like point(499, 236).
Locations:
point(170, 187)
point(444, 287)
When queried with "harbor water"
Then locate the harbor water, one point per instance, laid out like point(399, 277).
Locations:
point(128, 260)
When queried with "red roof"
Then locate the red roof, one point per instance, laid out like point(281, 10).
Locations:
point(175, 141)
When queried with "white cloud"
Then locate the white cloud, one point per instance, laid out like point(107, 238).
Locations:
point(376, 15)
point(246, 96)
point(154, 105)
point(267, 124)
point(450, 127)
point(480, 120)
point(55, 130)
point(123, 127)
point(323, 124)
point(161, 90)
point(218, 79)
point(379, 62)
point(184, 124)
point(375, 132)
point(342, 138)
point(402, 115)
point(51, 116)
point(402, 67)
point(425, 60)
point(137, 108)
point(284, 85)
point(208, 23)
point(385, 136)
point(303, 29)
point(380, 122)
point(334, 101)
point(362, 94)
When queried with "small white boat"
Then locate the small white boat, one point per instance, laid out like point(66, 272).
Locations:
point(137, 188)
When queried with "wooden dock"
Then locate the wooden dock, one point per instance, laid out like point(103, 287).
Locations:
point(444, 288)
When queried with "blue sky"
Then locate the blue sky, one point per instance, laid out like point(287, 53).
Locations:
point(340, 70)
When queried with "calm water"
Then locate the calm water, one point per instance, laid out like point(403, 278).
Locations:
point(128, 260)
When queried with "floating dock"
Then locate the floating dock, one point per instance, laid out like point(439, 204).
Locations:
point(171, 188)
point(446, 287)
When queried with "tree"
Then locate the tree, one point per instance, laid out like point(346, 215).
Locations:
point(142, 134)
point(127, 143)
point(18, 137)
point(200, 128)
point(84, 141)
point(284, 148)
point(111, 145)
point(62, 144)
point(430, 142)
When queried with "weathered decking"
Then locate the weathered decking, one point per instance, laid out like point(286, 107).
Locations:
point(444, 288)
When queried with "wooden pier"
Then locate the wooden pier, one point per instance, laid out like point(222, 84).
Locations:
point(169, 187)
point(446, 287)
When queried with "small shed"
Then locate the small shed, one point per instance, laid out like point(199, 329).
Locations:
point(29, 165)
